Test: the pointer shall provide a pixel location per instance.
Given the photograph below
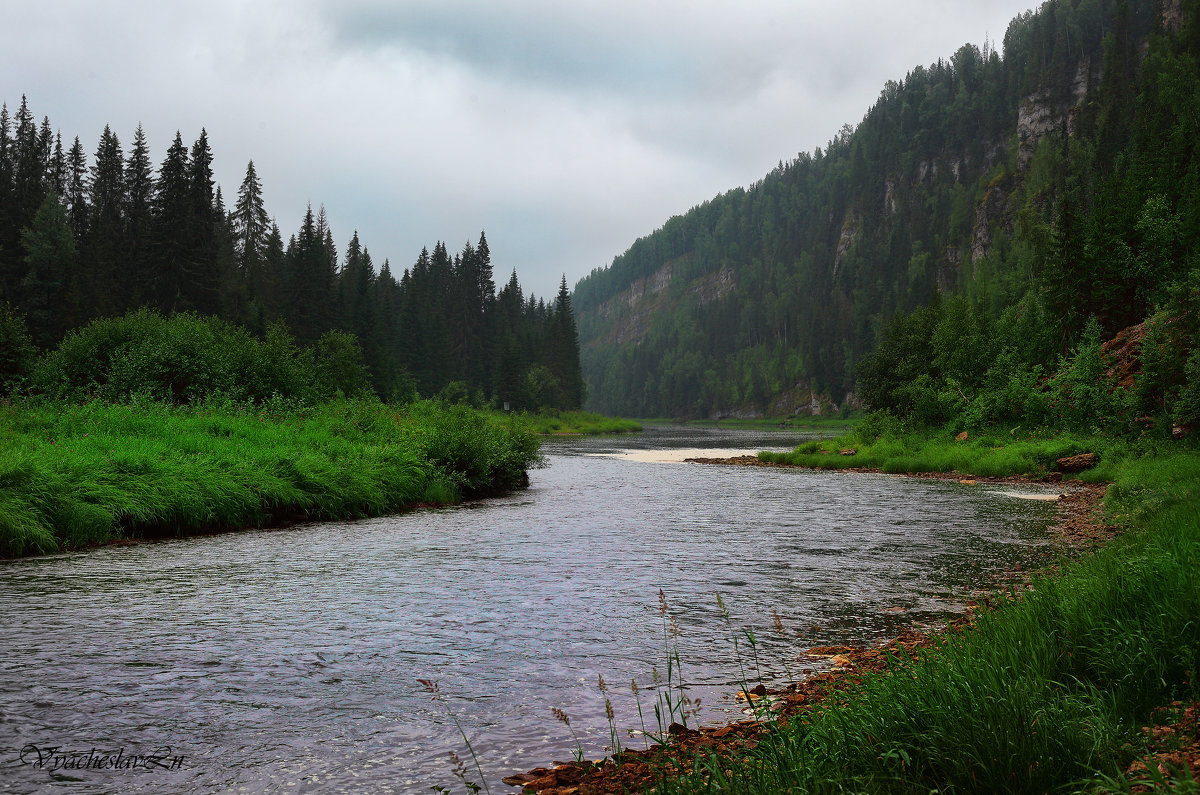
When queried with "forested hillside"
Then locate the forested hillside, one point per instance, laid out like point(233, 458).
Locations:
point(82, 240)
point(1033, 186)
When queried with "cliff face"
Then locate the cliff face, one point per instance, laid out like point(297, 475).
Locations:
point(1052, 110)
point(761, 301)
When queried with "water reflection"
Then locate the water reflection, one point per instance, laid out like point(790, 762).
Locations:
point(290, 658)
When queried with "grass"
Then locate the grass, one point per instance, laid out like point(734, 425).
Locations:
point(73, 475)
point(831, 424)
point(1048, 691)
point(552, 422)
point(989, 456)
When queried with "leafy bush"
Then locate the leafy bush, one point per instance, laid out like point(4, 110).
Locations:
point(1187, 407)
point(16, 349)
point(186, 359)
point(877, 425)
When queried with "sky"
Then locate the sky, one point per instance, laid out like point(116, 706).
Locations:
point(565, 129)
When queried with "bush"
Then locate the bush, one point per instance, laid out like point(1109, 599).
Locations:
point(16, 350)
point(878, 425)
point(188, 359)
point(1187, 407)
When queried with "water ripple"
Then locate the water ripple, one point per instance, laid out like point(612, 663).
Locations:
point(290, 659)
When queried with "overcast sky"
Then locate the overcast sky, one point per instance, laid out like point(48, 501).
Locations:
point(564, 128)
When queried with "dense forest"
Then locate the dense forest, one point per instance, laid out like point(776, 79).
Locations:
point(992, 217)
point(85, 240)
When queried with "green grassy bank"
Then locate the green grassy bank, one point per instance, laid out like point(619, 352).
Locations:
point(553, 422)
point(1047, 692)
point(823, 425)
point(74, 474)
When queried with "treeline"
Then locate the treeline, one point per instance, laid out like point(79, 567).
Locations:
point(83, 240)
point(1111, 222)
point(990, 175)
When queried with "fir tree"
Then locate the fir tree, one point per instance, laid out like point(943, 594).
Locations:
point(139, 220)
point(172, 217)
point(50, 257)
point(105, 262)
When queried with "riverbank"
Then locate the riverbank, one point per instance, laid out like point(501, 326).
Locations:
point(77, 475)
point(1049, 688)
point(822, 425)
point(569, 423)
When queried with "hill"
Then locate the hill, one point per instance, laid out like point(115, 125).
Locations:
point(1054, 179)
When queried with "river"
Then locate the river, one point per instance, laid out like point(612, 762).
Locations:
point(290, 660)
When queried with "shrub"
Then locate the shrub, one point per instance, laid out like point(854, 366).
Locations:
point(16, 350)
point(188, 359)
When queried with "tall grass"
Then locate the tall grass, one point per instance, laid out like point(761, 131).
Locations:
point(988, 456)
point(553, 421)
point(79, 474)
point(1046, 693)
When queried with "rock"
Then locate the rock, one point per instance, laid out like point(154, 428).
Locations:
point(568, 775)
point(1077, 463)
point(756, 692)
point(521, 779)
point(962, 437)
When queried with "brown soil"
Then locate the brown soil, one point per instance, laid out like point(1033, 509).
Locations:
point(1174, 742)
point(1077, 525)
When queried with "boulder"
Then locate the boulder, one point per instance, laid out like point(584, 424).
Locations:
point(1077, 463)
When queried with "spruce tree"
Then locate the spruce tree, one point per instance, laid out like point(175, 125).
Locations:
point(105, 255)
point(564, 350)
point(49, 298)
point(202, 282)
point(139, 220)
point(76, 195)
point(171, 220)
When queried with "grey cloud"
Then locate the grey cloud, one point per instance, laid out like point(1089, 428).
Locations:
point(570, 49)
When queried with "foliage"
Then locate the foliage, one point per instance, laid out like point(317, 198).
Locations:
point(81, 243)
point(553, 422)
point(788, 285)
point(16, 349)
point(188, 359)
point(1046, 692)
point(78, 474)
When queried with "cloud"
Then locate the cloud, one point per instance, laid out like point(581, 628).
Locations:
point(566, 130)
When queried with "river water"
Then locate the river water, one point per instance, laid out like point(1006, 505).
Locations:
point(290, 660)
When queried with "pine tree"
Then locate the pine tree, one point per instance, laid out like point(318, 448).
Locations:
point(171, 219)
point(564, 350)
point(139, 221)
point(9, 269)
point(58, 168)
point(77, 193)
point(251, 225)
point(202, 282)
point(104, 256)
point(309, 291)
point(49, 298)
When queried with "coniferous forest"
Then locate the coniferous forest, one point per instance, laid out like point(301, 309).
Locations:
point(84, 239)
point(962, 254)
